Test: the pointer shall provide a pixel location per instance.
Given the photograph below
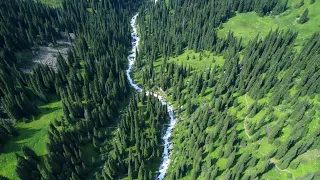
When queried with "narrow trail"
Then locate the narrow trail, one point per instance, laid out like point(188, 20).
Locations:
point(160, 95)
point(245, 119)
point(271, 159)
point(282, 170)
point(245, 124)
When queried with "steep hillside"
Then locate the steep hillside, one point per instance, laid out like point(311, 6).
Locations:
point(247, 25)
point(61, 123)
point(242, 76)
point(248, 108)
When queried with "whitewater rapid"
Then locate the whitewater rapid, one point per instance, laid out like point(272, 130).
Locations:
point(167, 137)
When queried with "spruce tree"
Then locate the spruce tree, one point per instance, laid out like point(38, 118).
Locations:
point(304, 17)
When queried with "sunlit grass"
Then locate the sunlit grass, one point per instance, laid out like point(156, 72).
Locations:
point(247, 25)
point(33, 135)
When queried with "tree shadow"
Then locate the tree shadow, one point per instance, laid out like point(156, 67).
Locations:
point(52, 98)
point(45, 110)
point(269, 168)
point(15, 143)
point(207, 93)
point(41, 112)
point(240, 131)
point(205, 155)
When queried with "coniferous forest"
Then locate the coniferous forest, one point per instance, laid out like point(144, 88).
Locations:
point(243, 77)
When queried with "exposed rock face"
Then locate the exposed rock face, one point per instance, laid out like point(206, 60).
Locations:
point(48, 55)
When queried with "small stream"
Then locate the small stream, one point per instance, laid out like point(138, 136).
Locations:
point(167, 144)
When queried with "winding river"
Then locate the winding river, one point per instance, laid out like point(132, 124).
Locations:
point(167, 144)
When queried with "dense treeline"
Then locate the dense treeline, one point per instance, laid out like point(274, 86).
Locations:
point(136, 147)
point(92, 94)
point(273, 56)
point(102, 42)
point(17, 95)
point(192, 24)
point(28, 164)
point(7, 130)
point(282, 83)
point(25, 24)
point(124, 135)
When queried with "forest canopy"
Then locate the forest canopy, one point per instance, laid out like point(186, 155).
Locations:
point(246, 104)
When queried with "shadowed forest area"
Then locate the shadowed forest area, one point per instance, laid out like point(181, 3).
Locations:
point(243, 78)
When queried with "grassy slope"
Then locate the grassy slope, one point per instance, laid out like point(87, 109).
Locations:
point(242, 26)
point(198, 65)
point(53, 3)
point(309, 160)
point(33, 134)
point(193, 61)
point(247, 25)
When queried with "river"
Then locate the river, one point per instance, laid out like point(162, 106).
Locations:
point(167, 143)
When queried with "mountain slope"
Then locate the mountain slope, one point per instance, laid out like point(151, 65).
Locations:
point(256, 114)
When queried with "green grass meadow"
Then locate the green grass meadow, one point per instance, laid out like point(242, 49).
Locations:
point(53, 3)
point(194, 59)
point(245, 25)
point(248, 25)
point(32, 134)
